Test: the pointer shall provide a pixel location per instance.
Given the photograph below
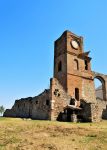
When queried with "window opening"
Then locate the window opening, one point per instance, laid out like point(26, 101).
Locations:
point(60, 66)
point(86, 65)
point(76, 66)
point(47, 102)
point(77, 94)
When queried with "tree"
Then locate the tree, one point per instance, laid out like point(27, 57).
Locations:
point(2, 109)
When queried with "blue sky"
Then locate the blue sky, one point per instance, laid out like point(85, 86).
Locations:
point(28, 29)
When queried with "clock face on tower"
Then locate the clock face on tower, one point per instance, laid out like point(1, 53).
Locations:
point(74, 44)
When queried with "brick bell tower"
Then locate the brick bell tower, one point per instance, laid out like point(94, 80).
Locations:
point(72, 67)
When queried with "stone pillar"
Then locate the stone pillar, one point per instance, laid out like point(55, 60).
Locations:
point(51, 116)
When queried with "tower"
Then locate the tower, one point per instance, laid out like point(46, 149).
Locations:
point(72, 67)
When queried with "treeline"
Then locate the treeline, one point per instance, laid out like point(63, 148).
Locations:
point(2, 109)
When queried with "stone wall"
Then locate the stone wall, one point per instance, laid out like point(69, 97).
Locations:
point(60, 99)
point(88, 90)
point(102, 104)
point(21, 108)
point(51, 104)
point(41, 106)
point(91, 112)
point(47, 106)
point(98, 110)
point(85, 113)
point(33, 107)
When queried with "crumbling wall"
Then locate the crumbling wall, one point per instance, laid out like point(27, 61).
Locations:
point(50, 105)
point(21, 108)
point(102, 104)
point(85, 113)
point(41, 106)
point(36, 108)
point(60, 99)
point(95, 112)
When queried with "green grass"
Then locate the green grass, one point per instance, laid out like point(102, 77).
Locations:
point(19, 134)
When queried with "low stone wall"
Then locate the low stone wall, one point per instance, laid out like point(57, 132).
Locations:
point(21, 108)
point(102, 108)
point(32, 107)
point(9, 113)
point(95, 112)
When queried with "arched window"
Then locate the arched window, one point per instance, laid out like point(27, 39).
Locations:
point(77, 94)
point(60, 66)
point(76, 65)
point(100, 88)
point(86, 65)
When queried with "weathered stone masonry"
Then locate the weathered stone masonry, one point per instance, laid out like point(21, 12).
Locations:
point(72, 95)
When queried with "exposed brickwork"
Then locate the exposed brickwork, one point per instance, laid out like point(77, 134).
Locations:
point(60, 99)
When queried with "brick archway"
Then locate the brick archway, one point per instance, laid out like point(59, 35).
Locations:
point(103, 79)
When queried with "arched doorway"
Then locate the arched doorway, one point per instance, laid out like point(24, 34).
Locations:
point(100, 88)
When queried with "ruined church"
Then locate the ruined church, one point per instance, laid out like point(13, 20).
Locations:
point(72, 94)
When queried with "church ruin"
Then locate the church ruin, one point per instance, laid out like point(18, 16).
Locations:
point(72, 94)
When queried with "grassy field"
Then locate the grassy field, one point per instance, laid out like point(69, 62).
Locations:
point(18, 134)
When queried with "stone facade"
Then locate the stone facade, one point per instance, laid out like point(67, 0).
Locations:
point(72, 95)
point(32, 107)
